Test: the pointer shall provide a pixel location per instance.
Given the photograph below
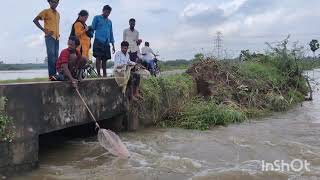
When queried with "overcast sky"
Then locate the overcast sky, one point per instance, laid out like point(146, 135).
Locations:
point(175, 28)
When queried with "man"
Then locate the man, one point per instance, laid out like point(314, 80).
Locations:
point(121, 61)
point(51, 18)
point(70, 62)
point(148, 56)
point(102, 26)
point(131, 35)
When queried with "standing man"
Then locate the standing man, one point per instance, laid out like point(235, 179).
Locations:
point(51, 18)
point(102, 26)
point(131, 35)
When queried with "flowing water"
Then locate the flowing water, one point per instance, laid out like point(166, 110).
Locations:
point(236, 152)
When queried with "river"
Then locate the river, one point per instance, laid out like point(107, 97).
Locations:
point(236, 152)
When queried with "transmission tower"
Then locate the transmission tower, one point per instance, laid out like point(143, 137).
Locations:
point(219, 45)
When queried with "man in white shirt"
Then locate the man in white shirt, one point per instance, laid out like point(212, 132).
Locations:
point(131, 35)
point(121, 61)
point(148, 56)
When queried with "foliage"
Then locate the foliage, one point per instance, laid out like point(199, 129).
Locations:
point(201, 115)
point(7, 129)
point(173, 65)
point(314, 45)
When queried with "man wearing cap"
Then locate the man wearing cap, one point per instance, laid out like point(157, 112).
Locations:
point(51, 18)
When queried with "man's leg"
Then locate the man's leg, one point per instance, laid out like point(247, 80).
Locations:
point(98, 65)
point(104, 67)
point(135, 83)
point(50, 44)
point(133, 56)
point(56, 55)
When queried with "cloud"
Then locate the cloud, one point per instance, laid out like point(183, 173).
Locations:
point(159, 11)
point(201, 14)
point(34, 41)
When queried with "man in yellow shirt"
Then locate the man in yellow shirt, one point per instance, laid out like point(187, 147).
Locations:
point(51, 18)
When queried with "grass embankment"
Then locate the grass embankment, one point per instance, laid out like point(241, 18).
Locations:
point(218, 93)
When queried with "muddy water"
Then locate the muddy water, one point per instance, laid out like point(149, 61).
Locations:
point(223, 153)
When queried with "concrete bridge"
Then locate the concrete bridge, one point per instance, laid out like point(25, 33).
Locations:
point(39, 108)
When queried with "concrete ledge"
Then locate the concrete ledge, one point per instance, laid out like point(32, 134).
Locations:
point(39, 108)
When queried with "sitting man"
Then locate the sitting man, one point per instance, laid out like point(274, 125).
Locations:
point(148, 56)
point(70, 62)
point(121, 64)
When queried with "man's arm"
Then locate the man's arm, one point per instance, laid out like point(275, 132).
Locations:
point(112, 40)
point(68, 74)
point(37, 23)
point(94, 23)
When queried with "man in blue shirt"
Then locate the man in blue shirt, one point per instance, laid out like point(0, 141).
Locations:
point(102, 26)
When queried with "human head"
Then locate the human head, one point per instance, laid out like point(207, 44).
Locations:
point(124, 46)
point(53, 4)
point(132, 23)
point(106, 11)
point(83, 15)
point(73, 43)
point(147, 44)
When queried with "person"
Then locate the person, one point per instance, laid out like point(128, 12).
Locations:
point(131, 35)
point(102, 26)
point(51, 18)
point(70, 62)
point(83, 33)
point(148, 56)
point(121, 61)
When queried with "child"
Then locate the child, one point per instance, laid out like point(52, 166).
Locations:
point(51, 18)
point(70, 62)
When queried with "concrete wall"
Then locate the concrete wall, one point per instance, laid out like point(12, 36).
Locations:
point(39, 108)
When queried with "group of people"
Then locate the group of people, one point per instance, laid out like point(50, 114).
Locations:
point(76, 55)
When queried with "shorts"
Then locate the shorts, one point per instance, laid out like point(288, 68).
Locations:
point(101, 51)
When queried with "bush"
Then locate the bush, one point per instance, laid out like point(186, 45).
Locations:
point(7, 130)
point(202, 115)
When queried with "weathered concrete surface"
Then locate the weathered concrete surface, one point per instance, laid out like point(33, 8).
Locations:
point(39, 108)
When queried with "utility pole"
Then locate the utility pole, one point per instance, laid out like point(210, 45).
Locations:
point(219, 45)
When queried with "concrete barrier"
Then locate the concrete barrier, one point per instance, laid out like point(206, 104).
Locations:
point(39, 108)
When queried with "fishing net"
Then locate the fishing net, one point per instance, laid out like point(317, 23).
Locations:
point(122, 77)
point(111, 142)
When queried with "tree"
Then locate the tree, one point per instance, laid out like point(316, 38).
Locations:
point(245, 55)
point(314, 46)
point(198, 57)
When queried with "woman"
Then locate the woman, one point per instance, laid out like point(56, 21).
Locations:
point(83, 33)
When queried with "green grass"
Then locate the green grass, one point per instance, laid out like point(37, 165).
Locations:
point(261, 72)
point(202, 115)
point(23, 80)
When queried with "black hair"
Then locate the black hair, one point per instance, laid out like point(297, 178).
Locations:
point(147, 43)
point(132, 20)
point(75, 40)
point(53, 0)
point(83, 13)
point(124, 44)
point(107, 7)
